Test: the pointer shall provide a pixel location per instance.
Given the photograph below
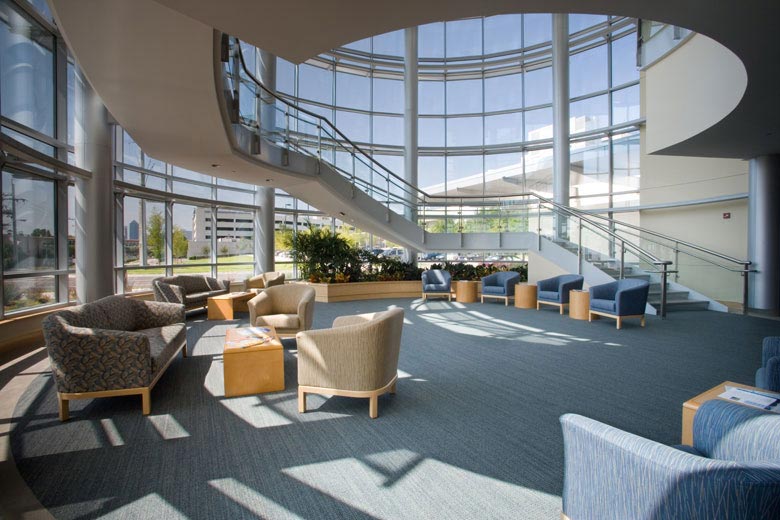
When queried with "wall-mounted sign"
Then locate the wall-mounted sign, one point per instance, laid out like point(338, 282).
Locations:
point(726, 216)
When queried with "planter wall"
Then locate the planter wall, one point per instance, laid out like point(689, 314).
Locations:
point(341, 292)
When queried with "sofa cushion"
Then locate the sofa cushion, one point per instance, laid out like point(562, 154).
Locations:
point(548, 295)
point(279, 321)
point(436, 287)
point(163, 342)
point(493, 289)
point(602, 305)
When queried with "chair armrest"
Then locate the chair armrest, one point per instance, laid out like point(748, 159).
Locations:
point(609, 473)
point(604, 292)
point(170, 293)
point(354, 319)
point(159, 314)
point(509, 284)
point(772, 369)
point(88, 360)
point(631, 300)
point(225, 284)
point(489, 279)
point(730, 431)
point(306, 313)
point(424, 277)
point(549, 284)
point(770, 349)
point(260, 305)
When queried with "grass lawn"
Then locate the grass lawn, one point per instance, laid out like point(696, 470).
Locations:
point(196, 266)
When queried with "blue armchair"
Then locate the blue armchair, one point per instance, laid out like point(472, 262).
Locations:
point(732, 471)
point(500, 285)
point(620, 299)
point(555, 291)
point(436, 282)
point(768, 376)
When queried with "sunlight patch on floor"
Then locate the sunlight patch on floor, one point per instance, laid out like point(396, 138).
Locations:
point(397, 484)
point(112, 432)
point(252, 410)
point(150, 506)
point(168, 427)
point(250, 499)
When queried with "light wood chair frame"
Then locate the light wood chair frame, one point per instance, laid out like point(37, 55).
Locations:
point(144, 391)
point(448, 294)
point(373, 395)
point(497, 296)
point(619, 319)
point(561, 306)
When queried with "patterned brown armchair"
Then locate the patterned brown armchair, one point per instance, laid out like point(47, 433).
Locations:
point(114, 346)
point(190, 290)
point(358, 357)
point(267, 279)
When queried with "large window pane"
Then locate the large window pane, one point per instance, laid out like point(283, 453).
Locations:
point(503, 92)
point(184, 245)
point(357, 127)
point(464, 38)
point(315, 83)
point(578, 22)
point(391, 44)
point(588, 71)
point(625, 105)
point(430, 131)
point(430, 40)
point(353, 91)
point(538, 171)
point(431, 94)
point(624, 67)
point(155, 232)
point(189, 174)
point(430, 174)
point(25, 293)
point(388, 95)
point(503, 33)
point(388, 130)
point(28, 224)
point(460, 167)
point(131, 152)
point(504, 128)
point(538, 124)
point(464, 97)
point(625, 162)
point(285, 76)
point(504, 173)
point(538, 87)
point(235, 232)
point(589, 114)
point(132, 229)
point(26, 71)
point(537, 28)
point(589, 168)
point(464, 131)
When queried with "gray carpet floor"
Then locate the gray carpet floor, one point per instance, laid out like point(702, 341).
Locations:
point(473, 431)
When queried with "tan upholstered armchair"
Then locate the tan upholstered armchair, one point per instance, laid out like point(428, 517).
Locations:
point(261, 281)
point(358, 357)
point(288, 308)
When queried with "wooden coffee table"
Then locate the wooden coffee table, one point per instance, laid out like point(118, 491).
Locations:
point(691, 406)
point(253, 367)
point(223, 306)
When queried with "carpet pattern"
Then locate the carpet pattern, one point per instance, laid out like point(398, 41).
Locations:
point(472, 433)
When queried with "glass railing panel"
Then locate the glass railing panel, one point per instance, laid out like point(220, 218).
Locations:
point(709, 279)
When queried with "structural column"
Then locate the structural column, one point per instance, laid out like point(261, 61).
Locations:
point(94, 197)
point(560, 77)
point(265, 66)
point(411, 113)
point(764, 232)
point(265, 197)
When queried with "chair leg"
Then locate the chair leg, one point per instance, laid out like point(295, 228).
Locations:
point(642, 321)
point(590, 316)
point(301, 401)
point(537, 306)
point(506, 301)
point(561, 306)
point(184, 351)
point(373, 406)
point(64, 408)
point(146, 402)
point(619, 322)
point(392, 388)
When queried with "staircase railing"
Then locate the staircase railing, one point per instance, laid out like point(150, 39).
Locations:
point(276, 119)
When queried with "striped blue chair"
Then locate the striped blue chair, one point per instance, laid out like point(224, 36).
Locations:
point(768, 376)
point(731, 471)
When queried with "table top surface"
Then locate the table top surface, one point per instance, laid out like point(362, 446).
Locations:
point(251, 339)
point(713, 393)
point(234, 295)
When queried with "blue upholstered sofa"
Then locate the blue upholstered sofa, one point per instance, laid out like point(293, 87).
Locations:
point(436, 282)
point(620, 299)
point(555, 291)
point(731, 471)
point(500, 285)
point(768, 376)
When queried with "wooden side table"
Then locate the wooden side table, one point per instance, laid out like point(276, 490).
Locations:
point(466, 291)
point(691, 406)
point(525, 296)
point(254, 369)
point(223, 306)
point(579, 304)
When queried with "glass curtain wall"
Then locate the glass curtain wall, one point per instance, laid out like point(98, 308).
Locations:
point(38, 243)
point(485, 108)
